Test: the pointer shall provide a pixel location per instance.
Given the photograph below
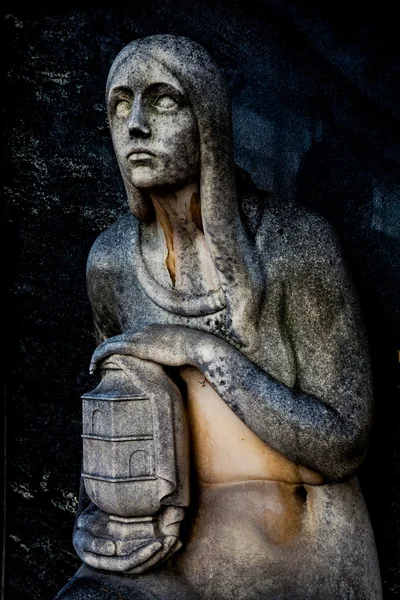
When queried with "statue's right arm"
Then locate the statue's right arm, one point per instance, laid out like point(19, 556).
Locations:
point(97, 539)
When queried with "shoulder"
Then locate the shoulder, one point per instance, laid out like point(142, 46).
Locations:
point(302, 256)
point(110, 248)
point(297, 238)
point(284, 231)
point(311, 269)
point(107, 259)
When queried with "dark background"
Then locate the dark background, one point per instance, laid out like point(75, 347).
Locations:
point(316, 95)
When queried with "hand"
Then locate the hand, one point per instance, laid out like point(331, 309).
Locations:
point(170, 345)
point(102, 543)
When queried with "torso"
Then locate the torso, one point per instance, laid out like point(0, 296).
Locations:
point(225, 450)
point(261, 519)
point(262, 522)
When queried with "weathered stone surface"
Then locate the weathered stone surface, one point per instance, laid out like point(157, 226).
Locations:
point(274, 333)
point(90, 584)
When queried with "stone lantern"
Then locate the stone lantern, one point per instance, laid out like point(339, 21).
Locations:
point(125, 470)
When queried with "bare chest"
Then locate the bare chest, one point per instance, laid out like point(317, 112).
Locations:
point(225, 450)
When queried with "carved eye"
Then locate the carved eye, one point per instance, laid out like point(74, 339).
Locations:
point(165, 102)
point(123, 108)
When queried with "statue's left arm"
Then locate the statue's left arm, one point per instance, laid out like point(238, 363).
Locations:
point(323, 422)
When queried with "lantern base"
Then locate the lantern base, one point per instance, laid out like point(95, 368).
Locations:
point(137, 530)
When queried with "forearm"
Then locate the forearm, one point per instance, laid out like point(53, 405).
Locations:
point(326, 435)
point(300, 426)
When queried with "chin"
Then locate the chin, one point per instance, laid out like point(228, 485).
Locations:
point(145, 178)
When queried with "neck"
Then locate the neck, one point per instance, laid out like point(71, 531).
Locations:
point(179, 227)
point(179, 208)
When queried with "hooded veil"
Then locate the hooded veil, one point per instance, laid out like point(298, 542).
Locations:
point(231, 250)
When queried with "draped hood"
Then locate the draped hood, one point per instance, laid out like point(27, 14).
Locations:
point(232, 252)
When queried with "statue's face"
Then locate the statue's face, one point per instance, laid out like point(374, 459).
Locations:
point(154, 132)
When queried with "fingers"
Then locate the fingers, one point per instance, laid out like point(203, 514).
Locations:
point(106, 349)
point(86, 542)
point(170, 345)
point(170, 546)
point(121, 563)
point(137, 344)
point(141, 347)
point(102, 553)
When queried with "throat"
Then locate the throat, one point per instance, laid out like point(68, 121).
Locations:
point(164, 223)
point(181, 241)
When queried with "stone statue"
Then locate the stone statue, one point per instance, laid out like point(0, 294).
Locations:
point(226, 320)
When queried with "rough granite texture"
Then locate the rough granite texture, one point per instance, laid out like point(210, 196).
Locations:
point(306, 124)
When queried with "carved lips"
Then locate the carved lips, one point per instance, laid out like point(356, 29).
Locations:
point(139, 155)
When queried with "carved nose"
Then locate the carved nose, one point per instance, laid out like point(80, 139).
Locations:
point(138, 124)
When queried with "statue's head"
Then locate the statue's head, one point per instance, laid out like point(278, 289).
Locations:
point(169, 115)
point(170, 118)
